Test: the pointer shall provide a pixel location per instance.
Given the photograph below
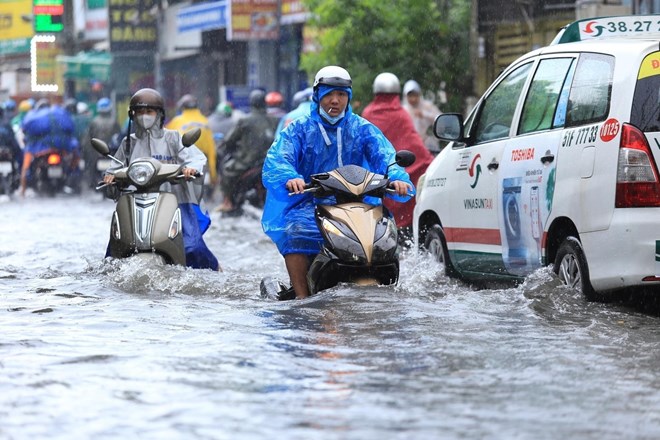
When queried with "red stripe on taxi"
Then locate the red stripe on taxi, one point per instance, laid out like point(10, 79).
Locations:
point(473, 235)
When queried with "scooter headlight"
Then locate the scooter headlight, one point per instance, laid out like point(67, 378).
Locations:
point(141, 172)
point(344, 243)
point(331, 228)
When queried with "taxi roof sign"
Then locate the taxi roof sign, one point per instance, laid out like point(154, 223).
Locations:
point(622, 26)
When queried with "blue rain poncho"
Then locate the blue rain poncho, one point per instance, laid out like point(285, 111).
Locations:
point(310, 145)
point(47, 128)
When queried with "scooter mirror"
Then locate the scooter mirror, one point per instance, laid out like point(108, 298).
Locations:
point(405, 158)
point(191, 136)
point(100, 146)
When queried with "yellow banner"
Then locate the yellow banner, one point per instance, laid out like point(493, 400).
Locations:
point(650, 66)
point(12, 25)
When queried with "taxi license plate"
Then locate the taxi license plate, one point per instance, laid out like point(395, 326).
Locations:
point(103, 164)
point(5, 168)
point(55, 172)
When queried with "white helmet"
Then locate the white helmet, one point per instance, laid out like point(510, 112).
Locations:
point(333, 76)
point(387, 82)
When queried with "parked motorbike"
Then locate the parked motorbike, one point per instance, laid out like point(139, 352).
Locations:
point(9, 172)
point(147, 221)
point(360, 239)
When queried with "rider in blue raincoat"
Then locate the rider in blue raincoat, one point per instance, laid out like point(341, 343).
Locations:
point(48, 128)
point(329, 137)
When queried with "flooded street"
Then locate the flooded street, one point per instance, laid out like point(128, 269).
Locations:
point(124, 349)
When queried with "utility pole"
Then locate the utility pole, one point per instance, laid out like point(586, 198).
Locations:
point(69, 45)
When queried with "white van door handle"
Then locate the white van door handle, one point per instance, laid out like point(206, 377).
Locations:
point(493, 165)
point(547, 158)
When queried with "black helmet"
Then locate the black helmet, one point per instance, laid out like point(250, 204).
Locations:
point(147, 98)
point(187, 101)
point(258, 98)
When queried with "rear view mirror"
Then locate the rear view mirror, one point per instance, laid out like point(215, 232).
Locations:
point(449, 127)
point(190, 137)
point(100, 146)
point(405, 158)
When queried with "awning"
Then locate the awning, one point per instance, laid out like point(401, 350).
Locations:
point(87, 65)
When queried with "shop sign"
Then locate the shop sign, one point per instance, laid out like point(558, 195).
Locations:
point(253, 20)
point(202, 17)
point(133, 26)
point(15, 32)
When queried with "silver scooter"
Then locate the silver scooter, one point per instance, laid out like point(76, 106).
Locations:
point(147, 221)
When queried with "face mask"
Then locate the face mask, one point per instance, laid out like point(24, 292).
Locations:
point(146, 121)
point(329, 118)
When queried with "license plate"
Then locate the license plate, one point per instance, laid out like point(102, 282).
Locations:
point(103, 164)
point(55, 172)
point(5, 168)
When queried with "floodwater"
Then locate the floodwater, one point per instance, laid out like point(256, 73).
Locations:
point(128, 349)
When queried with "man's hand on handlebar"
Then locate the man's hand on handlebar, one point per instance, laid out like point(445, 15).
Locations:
point(108, 179)
point(296, 186)
point(400, 187)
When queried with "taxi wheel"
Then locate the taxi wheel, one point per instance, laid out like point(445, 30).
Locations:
point(571, 268)
point(436, 244)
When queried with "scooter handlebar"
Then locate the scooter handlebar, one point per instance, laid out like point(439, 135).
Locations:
point(193, 177)
point(309, 188)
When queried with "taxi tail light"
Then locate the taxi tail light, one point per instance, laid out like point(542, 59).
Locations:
point(54, 159)
point(637, 182)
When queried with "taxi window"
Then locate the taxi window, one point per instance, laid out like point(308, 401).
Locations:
point(543, 99)
point(589, 99)
point(645, 113)
point(496, 114)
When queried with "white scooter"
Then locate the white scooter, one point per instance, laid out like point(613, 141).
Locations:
point(147, 220)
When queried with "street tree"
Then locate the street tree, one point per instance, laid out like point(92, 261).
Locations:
point(426, 40)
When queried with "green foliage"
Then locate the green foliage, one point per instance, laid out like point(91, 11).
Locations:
point(425, 40)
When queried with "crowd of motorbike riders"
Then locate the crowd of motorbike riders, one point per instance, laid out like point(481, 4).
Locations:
point(49, 150)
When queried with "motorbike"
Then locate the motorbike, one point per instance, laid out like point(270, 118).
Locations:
point(248, 183)
point(147, 221)
point(55, 171)
point(361, 243)
point(9, 172)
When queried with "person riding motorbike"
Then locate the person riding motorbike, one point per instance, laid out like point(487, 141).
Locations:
point(274, 104)
point(385, 112)
point(8, 140)
point(11, 156)
point(47, 128)
point(423, 113)
point(329, 137)
point(150, 139)
point(103, 126)
point(191, 117)
point(245, 149)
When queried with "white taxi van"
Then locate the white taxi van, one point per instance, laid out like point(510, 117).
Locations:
point(557, 164)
